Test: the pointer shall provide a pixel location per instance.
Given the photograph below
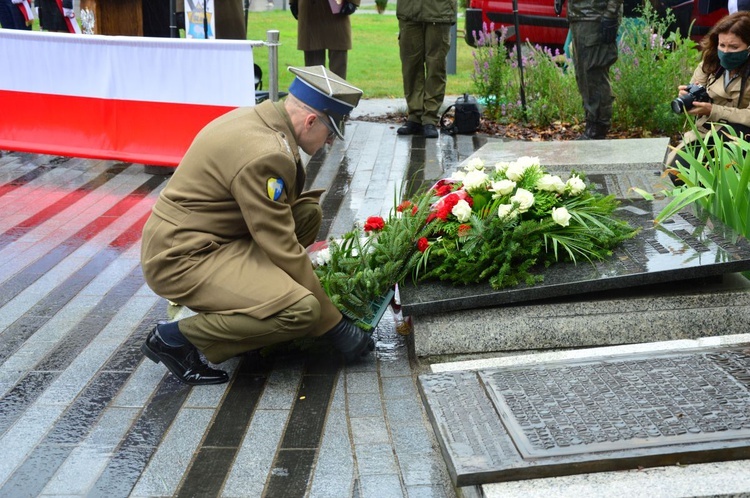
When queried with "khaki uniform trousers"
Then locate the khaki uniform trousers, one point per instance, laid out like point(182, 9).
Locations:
point(220, 337)
point(424, 47)
point(592, 60)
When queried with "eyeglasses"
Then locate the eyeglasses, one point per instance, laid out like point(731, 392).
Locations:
point(327, 122)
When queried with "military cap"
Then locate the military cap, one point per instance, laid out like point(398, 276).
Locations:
point(326, 92)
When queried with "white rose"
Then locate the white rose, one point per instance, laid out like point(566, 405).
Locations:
point(575, 185)
point(475, 179)
point(505, 211)
point(523, 199)
point(551, 183)
point(515, 171)
point(561, 216)
point(528, 161)
point(474, 164)
point(462, 211)
point(501, 166)
point(458, 176)
point(503, 187)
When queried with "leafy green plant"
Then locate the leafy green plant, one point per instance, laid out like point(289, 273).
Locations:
point(498, 225)
point(550, 87)
point(716, 177)
point(650, 66)
point(644, 80)
point(359, 268)
point(491, 71)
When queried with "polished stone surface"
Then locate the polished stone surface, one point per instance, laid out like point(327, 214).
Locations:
point(573, 417)
point(684, 247)
point(617, 156)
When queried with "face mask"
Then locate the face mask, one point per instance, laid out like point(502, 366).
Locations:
point(732, 60)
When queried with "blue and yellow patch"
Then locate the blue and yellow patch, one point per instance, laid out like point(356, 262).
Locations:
point(274, 187)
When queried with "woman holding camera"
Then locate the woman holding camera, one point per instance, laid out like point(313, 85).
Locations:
point(723, 73)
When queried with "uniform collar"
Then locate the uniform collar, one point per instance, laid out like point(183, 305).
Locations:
point(275, 116)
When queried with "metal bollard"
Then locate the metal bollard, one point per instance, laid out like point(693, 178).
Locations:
point(272, 38)
point(451, 57)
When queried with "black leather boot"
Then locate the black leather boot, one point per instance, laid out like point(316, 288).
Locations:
point(350, 340)
point(183, 361)
point(410, 128)
point(599, 131)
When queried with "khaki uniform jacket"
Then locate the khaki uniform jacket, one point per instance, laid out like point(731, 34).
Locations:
point(221, 235)
point(431, 11)
point(725, 108)
point(319, 29)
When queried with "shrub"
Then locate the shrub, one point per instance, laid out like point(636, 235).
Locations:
point(644, 79)
point(650, 66)
point(491, 70)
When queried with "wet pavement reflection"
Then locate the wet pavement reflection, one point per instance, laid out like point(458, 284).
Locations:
point(81, 412)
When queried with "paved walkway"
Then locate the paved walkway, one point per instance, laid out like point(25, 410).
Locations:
point(82, 413)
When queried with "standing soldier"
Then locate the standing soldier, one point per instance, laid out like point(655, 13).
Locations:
point(593, 26)
point(320, 29)
point(423, 40)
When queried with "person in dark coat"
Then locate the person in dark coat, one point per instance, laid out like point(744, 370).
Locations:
point(11, 16)
point(320, 30)
point(51, 18)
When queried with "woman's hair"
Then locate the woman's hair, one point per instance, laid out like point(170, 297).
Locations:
point(738, 24)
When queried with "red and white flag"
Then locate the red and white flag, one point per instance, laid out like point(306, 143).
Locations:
point(26, 10)
point(70, 22)
point(133, 99)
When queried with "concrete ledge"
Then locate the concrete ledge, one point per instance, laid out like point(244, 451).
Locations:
point(588, 156)
point(678, 310)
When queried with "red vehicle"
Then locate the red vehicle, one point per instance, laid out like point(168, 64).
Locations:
point(538, 23)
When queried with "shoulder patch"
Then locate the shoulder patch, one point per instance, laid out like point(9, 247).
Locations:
point(274, 187)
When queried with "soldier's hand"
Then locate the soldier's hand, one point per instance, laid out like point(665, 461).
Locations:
point(294, 8)
point(348, 9)
point(559, 6)
point(350, 340)
point(69, 13)
point(609, 30)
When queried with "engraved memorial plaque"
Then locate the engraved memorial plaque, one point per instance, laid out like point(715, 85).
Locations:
point(595, 415)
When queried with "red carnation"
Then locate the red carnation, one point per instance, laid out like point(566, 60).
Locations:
point(463, 229)
point(446, 205)
point(374, 224)
point(443, 187)
point(443, 190)
point(404, 206)
point(423, 244)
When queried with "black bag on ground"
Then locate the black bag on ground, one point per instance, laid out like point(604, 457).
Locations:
point(465, 117)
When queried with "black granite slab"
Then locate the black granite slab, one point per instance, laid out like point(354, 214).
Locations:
point(690, 245)
point(600, 414)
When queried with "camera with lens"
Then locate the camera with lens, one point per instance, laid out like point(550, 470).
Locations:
point(695, 93)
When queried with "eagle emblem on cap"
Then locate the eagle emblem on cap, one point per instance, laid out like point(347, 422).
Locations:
point(274, 187)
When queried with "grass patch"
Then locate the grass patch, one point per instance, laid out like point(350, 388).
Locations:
point(374, 63)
